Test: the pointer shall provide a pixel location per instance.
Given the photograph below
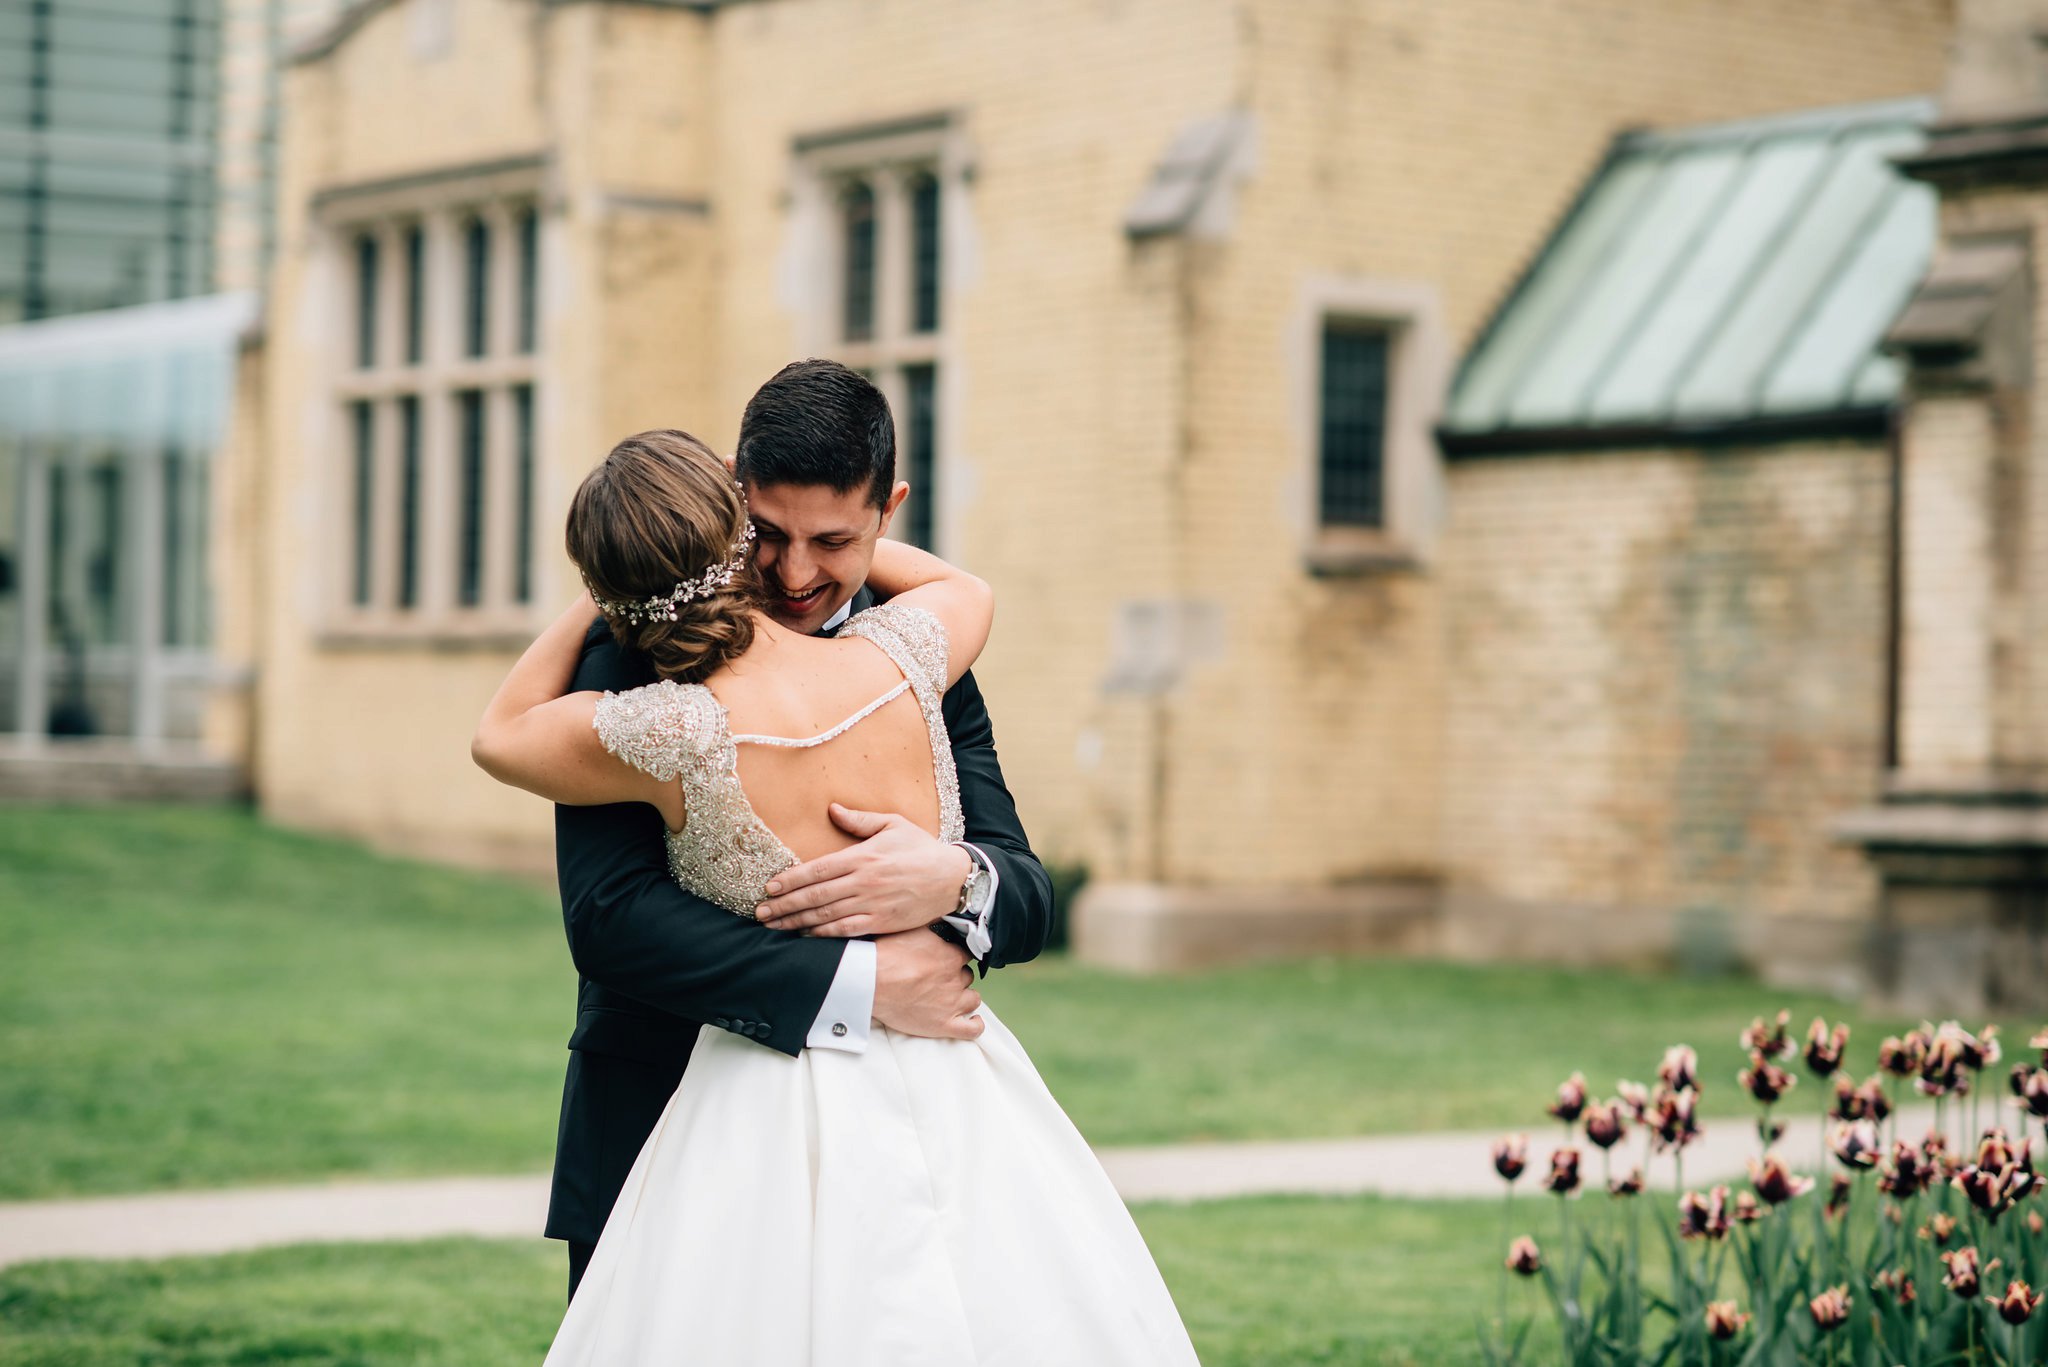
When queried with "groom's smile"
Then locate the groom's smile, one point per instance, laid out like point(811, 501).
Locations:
point(815, 545)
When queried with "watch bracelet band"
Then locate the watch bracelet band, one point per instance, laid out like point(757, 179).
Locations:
point(977, 875)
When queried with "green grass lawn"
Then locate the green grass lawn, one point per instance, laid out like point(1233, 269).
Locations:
point(1346, 1047)
point(1259, 1282)
point(191, 998)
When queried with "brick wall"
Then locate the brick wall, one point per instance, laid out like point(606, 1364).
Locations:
point(1664, 674)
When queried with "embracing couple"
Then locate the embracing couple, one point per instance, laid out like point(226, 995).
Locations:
point(791, 1132)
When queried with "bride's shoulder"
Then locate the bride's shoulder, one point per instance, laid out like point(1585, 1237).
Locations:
point(659, 727)
point(913, 637)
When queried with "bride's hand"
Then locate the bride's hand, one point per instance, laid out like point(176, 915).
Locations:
point(924, 986)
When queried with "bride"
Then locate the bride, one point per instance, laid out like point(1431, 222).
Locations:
point(923, 1203)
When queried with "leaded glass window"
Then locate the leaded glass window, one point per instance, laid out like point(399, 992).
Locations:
point(477, 291)
point(363, 441)
point(470, 498)
point(1354, 424)
point(366, 301)
point(857, 271)
point(924, 252)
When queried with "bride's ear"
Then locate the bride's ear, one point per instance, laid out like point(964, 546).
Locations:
point(732, 465)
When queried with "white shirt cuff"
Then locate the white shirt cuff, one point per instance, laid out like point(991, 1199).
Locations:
point(978, 942)
point(843, 1019)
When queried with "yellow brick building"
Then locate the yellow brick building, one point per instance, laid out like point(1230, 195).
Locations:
point(1095, 250)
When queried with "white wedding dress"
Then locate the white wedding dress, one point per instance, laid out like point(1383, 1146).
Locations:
point(923, 1204)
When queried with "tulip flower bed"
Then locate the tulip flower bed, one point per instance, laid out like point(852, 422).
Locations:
point(1918, 1252)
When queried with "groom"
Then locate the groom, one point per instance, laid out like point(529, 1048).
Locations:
point(817, 457)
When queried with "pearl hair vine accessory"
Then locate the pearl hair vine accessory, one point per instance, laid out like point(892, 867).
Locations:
point(662, 608)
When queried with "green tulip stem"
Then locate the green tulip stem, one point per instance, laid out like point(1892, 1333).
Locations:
point(1507, 1238)
point(1823, 1139)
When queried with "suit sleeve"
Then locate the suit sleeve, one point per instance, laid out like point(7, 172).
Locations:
point(1021, 920)
point(633, 929)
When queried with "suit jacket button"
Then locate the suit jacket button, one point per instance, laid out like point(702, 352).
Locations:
point(839, 1027)
point(722, 1023)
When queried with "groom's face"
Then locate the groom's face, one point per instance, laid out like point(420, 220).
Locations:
point(815, 546)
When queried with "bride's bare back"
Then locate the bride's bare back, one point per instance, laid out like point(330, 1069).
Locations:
point(755, 801)
point(798, 688)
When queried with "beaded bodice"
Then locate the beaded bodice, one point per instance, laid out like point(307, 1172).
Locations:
point(677, 732)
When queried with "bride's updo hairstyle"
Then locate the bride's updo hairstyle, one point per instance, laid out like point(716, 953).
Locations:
point(659, 512)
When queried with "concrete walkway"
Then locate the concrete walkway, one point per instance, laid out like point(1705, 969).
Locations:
point(1421, 1165)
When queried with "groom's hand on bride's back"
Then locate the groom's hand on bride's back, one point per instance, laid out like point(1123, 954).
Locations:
point(923, 987)
point(899, 877)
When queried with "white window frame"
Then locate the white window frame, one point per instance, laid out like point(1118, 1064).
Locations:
point(1418, 379)
point(890, 158)
point(442, 205)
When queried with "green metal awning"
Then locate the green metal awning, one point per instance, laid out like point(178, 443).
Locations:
point(1727, 279)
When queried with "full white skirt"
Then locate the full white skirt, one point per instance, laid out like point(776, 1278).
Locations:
point(923, 1204)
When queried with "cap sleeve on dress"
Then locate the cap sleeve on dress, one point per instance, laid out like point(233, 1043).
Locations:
point(658, 728)
point(913, 637)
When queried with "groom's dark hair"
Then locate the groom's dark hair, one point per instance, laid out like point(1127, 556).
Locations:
point(819, 422)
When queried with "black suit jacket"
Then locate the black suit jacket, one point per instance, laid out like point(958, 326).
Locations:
point(655, 962)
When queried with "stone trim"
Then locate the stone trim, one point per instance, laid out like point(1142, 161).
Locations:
point(1418, 382)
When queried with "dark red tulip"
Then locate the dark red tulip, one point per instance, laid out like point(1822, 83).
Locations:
point(1724, 1321)
point(1992, 1190)
point(1765, 1080)
point(1703, 1217)
point(2019, 1302)
point(1564, 1172)
point(1571, 1098)
point(1771, 1041)
point(1965, 1277)
point(1855, 1144)
point(1524, 1257)
point(1636, 1097)
point(1630, 1185)
point(1775, 1182)
point(1673, 1118)
point(1906, 1174)
point(1941, 1067)
point(2034, 1092)
point(1901, 1056)
point(1604, 1125)
point(1838, 1193)
point(1511, 1155)
point(1897, 1285)
point(1994, 1150)
point(1975, 1052)
point(1830, 1308)
point(1680, 1070)
point(1745, 1210)
point(1824, 1048)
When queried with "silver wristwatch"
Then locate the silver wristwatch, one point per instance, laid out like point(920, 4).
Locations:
point(974, 892)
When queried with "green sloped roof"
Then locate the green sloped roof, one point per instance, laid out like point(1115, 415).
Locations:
point(1717, 276)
